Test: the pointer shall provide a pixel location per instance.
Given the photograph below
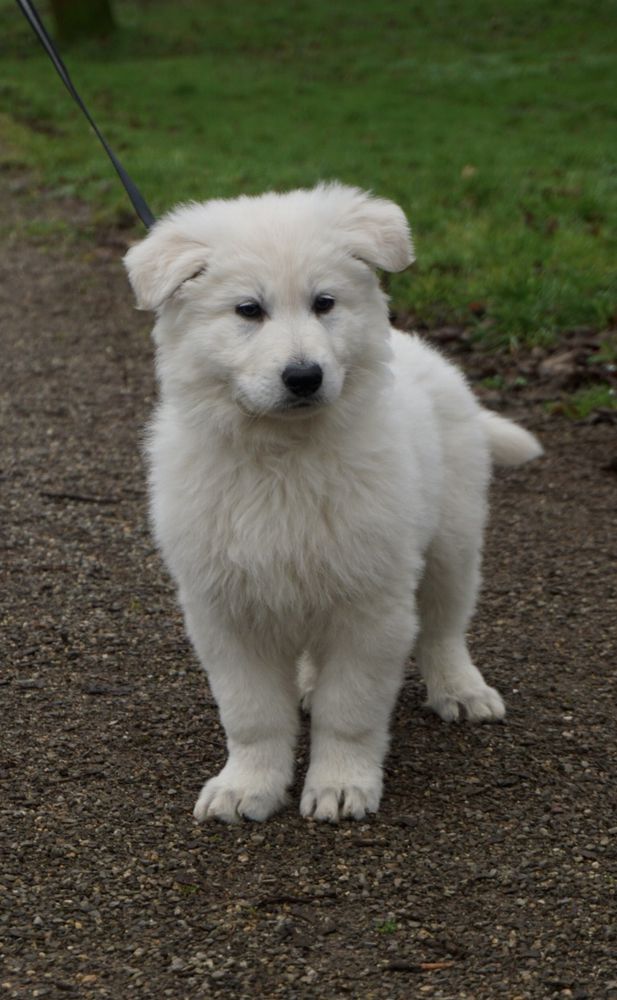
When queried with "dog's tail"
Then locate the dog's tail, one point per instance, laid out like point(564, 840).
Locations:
point(509, 443)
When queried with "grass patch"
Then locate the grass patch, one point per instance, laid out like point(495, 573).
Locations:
point(490, 125)
point(388, 926)
point(580, 404)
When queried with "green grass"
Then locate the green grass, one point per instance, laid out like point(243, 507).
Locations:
point(388, 926)
point(580, 404)
point(493, 125)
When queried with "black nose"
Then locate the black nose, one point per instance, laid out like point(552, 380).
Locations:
point(304, 379)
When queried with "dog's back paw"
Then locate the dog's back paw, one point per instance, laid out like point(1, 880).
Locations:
point(483, 704)
point(306, 678)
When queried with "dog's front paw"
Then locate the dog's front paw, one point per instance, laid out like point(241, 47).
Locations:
point(331, 801)
point(478, 703)
point(230, 798)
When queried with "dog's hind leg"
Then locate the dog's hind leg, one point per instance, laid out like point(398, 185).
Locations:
point(446, 600)
point(307, 674)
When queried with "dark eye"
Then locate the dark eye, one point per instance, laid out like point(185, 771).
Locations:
point(250, 310)
point(323, 304)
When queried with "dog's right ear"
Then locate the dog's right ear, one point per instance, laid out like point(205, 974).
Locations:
point(162, 262)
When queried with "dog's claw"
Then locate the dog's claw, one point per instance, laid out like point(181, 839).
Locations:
point(330, 804)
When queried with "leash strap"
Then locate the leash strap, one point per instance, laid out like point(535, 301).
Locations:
point(139, 204)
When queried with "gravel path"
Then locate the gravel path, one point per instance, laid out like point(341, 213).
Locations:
point(491, 870)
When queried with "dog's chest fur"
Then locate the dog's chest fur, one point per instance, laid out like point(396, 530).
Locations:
point(284, 534)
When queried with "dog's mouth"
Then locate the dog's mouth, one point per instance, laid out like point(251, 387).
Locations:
point(299, 407)
point(292, 408)
point(302, 404)
point(296, 409)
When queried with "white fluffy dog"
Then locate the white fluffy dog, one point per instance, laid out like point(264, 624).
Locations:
point(318, 486)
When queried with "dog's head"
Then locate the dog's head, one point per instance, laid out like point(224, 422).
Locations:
point(270, 304)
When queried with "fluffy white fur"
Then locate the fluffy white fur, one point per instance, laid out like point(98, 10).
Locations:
point(317, 539)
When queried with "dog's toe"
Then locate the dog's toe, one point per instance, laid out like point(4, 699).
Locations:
point(332, 803)
point(483, 704)
point(216, 803)
point(358, 802)
point(322, 804)
point(445, 706)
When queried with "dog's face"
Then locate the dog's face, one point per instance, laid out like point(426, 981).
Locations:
point(267, 306)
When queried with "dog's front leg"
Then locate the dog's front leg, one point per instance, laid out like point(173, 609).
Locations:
point(257, 700)
point(362, 670)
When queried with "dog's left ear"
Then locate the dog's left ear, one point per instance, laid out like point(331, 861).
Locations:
point(379, 232)
point(162, 262)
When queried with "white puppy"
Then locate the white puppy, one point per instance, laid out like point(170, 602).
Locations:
point(318, 486)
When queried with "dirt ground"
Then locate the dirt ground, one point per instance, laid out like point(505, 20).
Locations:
point(491, 869)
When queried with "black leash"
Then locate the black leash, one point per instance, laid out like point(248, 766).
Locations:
point(137, 199)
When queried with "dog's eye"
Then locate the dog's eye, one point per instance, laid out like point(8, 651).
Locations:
point(250, 310)
point(323, 304)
